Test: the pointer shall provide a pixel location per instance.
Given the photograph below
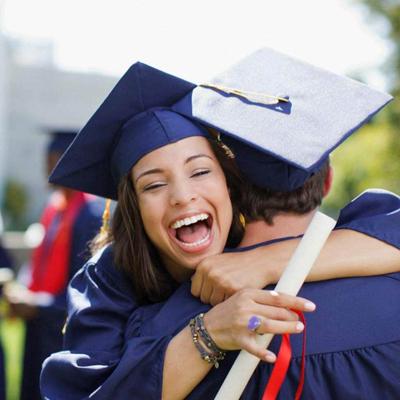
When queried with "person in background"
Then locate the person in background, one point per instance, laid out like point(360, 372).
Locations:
point(6, 260)
point(6, 268)
point(70, 220)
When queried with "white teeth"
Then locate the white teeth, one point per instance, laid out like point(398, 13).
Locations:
point(189, 221)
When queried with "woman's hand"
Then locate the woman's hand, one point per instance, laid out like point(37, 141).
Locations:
point(21, 302)
point(219, 277)
point(227, 322)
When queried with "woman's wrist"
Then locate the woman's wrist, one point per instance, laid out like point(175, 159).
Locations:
point(209, 351)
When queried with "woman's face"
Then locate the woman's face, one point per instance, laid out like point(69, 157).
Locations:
point(184, 203)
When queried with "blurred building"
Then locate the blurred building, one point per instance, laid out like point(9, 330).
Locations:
point(36, 97)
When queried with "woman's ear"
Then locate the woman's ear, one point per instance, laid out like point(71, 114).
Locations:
point(328, 182)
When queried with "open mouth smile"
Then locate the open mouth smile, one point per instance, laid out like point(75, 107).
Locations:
point(194, 233)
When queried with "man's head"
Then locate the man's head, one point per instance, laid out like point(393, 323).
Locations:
point(282, 117)
point(59, 141)
point(265, 203)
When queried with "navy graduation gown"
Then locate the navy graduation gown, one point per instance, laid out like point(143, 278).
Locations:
point(44, 332)
point(115, 349)
point(6, 260)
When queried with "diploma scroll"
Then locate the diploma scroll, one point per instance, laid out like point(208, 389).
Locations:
point(290, 282)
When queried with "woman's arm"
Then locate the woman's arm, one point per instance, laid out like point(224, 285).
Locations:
point(346, 253)
point(110, 354)
point(365, 242)
point(227, 325)
point(100, 302)
point(115, 348)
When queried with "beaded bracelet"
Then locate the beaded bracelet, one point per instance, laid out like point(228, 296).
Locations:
point(207, 348)
point(205, 335)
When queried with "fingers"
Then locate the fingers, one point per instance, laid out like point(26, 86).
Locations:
point(198, 279)
point(205, 293)
point(217, 296)
point(280, 327)
point(207, 290)
point(276, 313)
point(263, 354)
point(230, 323)
point(269, 297)
point(197, 282)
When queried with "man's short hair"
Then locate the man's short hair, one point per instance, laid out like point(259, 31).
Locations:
point(264, 204)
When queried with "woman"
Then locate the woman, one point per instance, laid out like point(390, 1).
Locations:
point(125, 341)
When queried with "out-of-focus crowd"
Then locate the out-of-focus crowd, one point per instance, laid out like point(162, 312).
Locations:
point(37, 293)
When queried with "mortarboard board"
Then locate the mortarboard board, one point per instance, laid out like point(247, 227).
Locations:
point(60, 140)
point(281, 116)
point(132, 121)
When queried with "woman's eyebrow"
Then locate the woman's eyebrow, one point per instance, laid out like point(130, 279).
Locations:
point(197, 156)
point(148, 172)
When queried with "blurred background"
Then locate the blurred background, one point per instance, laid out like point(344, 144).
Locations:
point(59, 59)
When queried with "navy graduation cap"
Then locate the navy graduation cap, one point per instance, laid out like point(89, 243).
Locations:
point(281, 116)
point(132, 121)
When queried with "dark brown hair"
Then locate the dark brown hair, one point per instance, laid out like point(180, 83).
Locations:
point(133, 251)
point(264, 204)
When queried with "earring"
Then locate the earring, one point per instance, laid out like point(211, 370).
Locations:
point(227, 150)
point(217, 136)
point(105, 227)
point(242, 220)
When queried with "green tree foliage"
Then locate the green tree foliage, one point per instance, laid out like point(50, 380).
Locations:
point(388, 12)
point(362, 163)
point(14, 205)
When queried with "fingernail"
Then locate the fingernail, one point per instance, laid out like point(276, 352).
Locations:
point(270, 357)
point(309, 306)
point(273, 293)
point(299, 326)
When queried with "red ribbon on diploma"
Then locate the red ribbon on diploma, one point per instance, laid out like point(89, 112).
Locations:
point(282, 365)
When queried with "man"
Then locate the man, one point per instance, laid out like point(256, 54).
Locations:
point(353, 348)
point(70, 220)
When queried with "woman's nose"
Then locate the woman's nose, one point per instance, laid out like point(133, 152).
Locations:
point(182, 194)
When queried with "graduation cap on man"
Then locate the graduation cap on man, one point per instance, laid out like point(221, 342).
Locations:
point(282, 117)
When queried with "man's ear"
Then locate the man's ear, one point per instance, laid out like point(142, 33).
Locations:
point(328, 182)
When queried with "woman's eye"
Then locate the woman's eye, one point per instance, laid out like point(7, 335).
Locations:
point(201, 172)
point(153, 186)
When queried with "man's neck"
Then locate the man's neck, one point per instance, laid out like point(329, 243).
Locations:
point(284, 224)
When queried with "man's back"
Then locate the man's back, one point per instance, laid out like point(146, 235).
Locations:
point(353, 340)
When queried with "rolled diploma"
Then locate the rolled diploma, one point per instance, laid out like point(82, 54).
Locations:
point(290, 282)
